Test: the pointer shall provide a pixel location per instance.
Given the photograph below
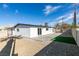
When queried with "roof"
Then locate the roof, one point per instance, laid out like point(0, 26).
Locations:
point(29, 25)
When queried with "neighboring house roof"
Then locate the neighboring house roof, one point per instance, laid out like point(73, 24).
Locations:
point(29, 25)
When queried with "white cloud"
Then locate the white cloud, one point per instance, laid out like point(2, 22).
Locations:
point(16, 11)
point(69, 17)
point(57, 20)
point(5, 6)
point(49, 9)
point(66, 17)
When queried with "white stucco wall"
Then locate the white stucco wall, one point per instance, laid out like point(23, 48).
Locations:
point(22, 31)
point(33, 32)
point(49, 31)
point(76, 35)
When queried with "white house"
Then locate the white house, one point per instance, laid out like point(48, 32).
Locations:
point(28, 30)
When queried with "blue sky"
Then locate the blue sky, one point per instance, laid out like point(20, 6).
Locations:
point(36, 13)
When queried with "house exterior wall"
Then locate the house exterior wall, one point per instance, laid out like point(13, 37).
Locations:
point(25, 32)
point(31, 32)
point(34, 31)
point(75, 33)
point(49, 31)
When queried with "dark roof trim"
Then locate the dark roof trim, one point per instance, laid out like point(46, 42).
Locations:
point(29, 25)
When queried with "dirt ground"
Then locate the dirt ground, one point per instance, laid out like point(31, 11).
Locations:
point(29, 47)
point(2, 44)
point(25, 47)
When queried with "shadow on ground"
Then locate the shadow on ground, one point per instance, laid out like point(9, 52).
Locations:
point(59, 49)
point(63, 45)
point(3, 39)
point(7, 49)
point(13, 52)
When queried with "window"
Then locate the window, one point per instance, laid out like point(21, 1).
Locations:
point(17, 30)
point(46, 29)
